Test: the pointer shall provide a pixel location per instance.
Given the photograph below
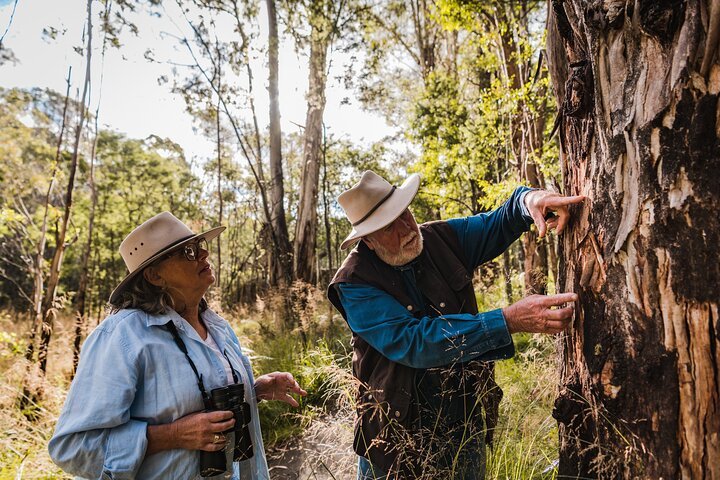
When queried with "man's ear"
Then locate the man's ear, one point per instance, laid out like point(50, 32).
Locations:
point(369, 242)
point(151, 275)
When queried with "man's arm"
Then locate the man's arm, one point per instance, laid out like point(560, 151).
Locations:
point(486, 235)
point(423, 342)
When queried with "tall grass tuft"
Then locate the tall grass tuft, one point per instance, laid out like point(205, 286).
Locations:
point(23, 443)
point(526, 439)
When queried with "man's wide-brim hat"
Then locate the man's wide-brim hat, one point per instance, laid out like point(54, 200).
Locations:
point(153, 239)
point(372, 204)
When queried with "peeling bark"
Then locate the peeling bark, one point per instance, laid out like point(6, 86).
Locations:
point(640, 136)
point(306, 224)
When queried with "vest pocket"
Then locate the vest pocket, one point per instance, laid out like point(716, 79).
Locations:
point(385, 408)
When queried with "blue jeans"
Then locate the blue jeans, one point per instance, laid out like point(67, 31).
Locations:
point(366, 471)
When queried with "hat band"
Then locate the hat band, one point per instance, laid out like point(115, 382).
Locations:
point(377, 205)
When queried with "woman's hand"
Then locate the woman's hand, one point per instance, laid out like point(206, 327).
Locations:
point(197, 431)
point(278, 386)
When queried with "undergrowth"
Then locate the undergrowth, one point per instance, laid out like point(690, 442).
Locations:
point(318, 355)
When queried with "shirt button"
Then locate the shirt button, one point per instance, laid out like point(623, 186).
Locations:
point(442, 304)
point(397, 414)
point(409, 307)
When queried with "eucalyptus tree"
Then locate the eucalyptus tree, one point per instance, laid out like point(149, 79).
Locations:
point(281, 268)
point(49, 310)
point(637, 84)
point(327, 20)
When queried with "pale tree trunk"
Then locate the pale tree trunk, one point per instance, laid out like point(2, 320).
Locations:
point(640, 376)
point(39, 264)
point(218, 267)
point(49, 300)
point(82, 303)
point(326, 215)
point(82, 295)
point(280, 263)
point(306, 224)
point(426, 32)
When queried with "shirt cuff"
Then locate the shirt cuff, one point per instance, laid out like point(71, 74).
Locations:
point(126, 447)
point(500, 344)
point(523, 208)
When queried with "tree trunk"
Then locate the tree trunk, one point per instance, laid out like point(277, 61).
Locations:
point(39, 264)
point(326, 217)
point(81, 299)
point(281, 266)
point(218, 267)
point(306, 225)
point(49, 307)
point(640, 379)
point(535, 264)
point(527, 139)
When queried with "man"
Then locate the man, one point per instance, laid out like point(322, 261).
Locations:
point(421, 349)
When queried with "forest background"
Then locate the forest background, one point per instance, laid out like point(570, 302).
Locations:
point(467, 97)
point(467, 101)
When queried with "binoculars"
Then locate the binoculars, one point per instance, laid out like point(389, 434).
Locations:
point(232, 398)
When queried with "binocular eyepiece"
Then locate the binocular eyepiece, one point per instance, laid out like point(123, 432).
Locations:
point(232, 398)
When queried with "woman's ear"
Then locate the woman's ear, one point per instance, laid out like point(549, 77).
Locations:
point(151, 275)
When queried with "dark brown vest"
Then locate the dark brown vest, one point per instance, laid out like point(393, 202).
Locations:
point(392, 397)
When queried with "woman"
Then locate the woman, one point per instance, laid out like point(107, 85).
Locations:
point(141, 404)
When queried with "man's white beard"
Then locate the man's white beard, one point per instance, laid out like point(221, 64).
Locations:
point(406, 254)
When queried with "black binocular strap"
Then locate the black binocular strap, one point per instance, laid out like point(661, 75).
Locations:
point(181, 345)
point(232, 369)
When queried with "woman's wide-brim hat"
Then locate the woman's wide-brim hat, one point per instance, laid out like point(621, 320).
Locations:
point(153, 239)
point(373, 203)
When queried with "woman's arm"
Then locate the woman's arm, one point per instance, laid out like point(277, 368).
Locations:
point(95, 434)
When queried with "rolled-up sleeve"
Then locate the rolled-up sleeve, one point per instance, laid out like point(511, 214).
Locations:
point(424, 342)
point(95, 436)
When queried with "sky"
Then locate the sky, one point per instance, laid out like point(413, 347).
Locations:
point(133, 101)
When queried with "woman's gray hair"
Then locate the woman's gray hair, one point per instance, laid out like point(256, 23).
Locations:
point(147, 297)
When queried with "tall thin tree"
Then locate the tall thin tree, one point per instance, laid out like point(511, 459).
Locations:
point(39, 261)
point(82, 299)
point(323, 18)
point(48, 309)
point(281, 269)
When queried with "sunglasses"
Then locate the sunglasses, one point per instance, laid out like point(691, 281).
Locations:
point(191, 251)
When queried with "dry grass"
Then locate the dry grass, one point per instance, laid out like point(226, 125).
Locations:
point(312, 442)
point(23, 443)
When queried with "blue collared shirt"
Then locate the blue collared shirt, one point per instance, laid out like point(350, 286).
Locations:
point(131, 375)
point(433, 341)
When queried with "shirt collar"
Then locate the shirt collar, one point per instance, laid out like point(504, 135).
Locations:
point(214, 323)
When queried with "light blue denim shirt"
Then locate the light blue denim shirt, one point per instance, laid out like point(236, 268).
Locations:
point(131, 375)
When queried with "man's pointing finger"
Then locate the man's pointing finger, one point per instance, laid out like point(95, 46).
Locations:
point(560, 299)
point(560, 201)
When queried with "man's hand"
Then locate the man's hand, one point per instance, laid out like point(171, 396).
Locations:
point(535, 314)
point(541, 202)
point(278, 386)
